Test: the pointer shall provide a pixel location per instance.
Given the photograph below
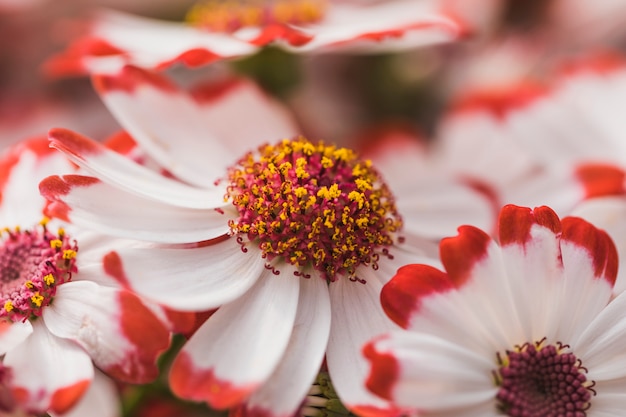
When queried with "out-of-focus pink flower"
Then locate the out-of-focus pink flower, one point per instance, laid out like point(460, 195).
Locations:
point(491, 333)
point(294, 256)
point(57, 320)
point(116, 39)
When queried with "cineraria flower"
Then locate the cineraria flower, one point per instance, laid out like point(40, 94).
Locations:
point(522, 327)
point(217, 29)
point(291, 241)
point(558, 141)
point(54, 321)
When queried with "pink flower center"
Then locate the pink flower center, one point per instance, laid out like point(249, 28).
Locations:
point(32, 264)
point(543, 381)
point(313, 205)
point(231, 15)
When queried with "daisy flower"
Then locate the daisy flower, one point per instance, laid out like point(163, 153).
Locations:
point(291, 240)
point(522, 326)
point(217, 29)
point(57, 323)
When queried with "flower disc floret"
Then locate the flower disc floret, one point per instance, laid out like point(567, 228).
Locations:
point(33, 263)
point(313, 205)
point(538, 380)
point(231, 15)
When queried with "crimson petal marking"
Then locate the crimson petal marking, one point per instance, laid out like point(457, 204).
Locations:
point(96, 205)
point(101, 400)
point(50, 373)
point(590, 268)
point(401, 297)
point(515, 223)
point(459, 254)
point(211, 275)
point(601, 180)
point(295, 373)
point(356, 318)
point(240, 345)
point(429, 373)
point(119, 332)
point(122, 172)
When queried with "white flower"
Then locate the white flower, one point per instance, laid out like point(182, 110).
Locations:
point(291, 241)
point(525, 326)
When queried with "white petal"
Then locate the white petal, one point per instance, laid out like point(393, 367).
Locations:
point(123, 337)
point(95, 205)
point(240, 345)
point(599, 347)
point(282, 394)
point(424, 372)
point(356, 318)
point(12, 334)
point(123, 173)
point(49, 372)
point(189, 279)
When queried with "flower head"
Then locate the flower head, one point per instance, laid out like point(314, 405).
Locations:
point(524, 327)
point(291, 241)
point(55, 321)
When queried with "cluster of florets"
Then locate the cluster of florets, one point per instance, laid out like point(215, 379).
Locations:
point(229, 16)
point(313, 205)
point(33, 263)
point(542, 380)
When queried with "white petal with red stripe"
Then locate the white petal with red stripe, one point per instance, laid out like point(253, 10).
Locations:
point(101, 400)
point(122, 336)
point(356, 318)
point(418, 370)
point(117, 170)
point(237, 349)
point(187, 279)
point(93, 204)
point(285, 389)
point(49, 373)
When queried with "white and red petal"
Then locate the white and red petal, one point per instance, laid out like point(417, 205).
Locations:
point(356, 318)
point(428, 373)
point(207, 135)
point(236, 350)
point(116, 39)
point(534, 270)
point(285, 389)
point(20, 202)
point(101, 400)
point(115, 169)
point(608, 213)
point(590, 270)
point(122, 336)
point(90, 203)
point(214, 274)
point(50, 373)
point(375, 27)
